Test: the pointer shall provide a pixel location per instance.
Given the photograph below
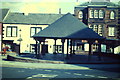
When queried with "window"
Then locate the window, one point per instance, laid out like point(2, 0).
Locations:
point(32, 48)
point(112, 15)
point(95, 13)
point(35, 30)
point(80, 14)
point(95, 28)
point(91, 26)
point(91, 13)
point(11, 31)
point(59, 48)
point(111, 31)
point(100, 29)
point(101, 14)
point(95, 47)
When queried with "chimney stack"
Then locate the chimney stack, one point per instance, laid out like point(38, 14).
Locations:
point(59, 10)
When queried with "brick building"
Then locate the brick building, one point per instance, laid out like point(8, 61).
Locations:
point(3, 13)
point(102, 17)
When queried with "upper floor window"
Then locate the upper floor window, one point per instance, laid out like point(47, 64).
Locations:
point(100, 30)
point(111, 31)
point(11, 31)
point(80, 14)
point(35, 30)
point(95, 28)
point(91, 26)
point(101, 13)
point(112, 15)
point(91, 14)
point(95, 13)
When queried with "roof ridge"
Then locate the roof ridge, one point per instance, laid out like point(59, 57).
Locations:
point(98, 3)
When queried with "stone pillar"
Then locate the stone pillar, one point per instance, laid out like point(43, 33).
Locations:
point(71, 48)
point(99, 50)
point(39, 50)
point(90, 50)
point(36, 49)
point(63, 41)
point(43, 48)
point(67, 47)
point(55, 47)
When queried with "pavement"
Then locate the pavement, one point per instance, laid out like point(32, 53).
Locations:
point(75, 59)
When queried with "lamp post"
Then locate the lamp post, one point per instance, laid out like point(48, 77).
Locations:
point(20, 39)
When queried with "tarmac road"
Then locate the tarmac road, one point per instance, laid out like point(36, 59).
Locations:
point(11, 69)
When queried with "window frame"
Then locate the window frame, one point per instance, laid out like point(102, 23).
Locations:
point(11, 31)
point(111, 34)
point(35, 30)
point(101, 12)
point(90, 26)
point(112, 15)
point(95, 27)
point(91, 13)
point(96, 14)
point(100, 30)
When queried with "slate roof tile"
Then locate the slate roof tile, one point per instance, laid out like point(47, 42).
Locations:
point(32, 18)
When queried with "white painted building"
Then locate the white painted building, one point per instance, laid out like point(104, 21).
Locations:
point(20, 26)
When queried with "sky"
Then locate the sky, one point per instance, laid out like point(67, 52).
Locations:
point(42, 6)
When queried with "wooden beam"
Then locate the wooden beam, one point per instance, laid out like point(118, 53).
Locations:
point(99, 50)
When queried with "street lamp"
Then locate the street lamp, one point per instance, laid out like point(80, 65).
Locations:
point(20, 39)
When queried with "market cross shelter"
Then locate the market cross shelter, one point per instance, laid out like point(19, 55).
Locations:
point(69, 30)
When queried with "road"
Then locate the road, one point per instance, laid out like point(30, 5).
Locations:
point(11, 69)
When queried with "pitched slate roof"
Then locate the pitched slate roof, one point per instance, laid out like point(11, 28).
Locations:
point(98, 4)
point(31, 18)
point(68, 27)
point(3, 13)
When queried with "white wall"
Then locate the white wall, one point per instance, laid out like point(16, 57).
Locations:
point(25, 35)
point(117, 50)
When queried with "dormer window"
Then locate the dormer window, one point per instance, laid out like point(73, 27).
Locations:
point(91, 14)
point(101, 13)
point(95, 13)
point(80, 14)
point(112, 15)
